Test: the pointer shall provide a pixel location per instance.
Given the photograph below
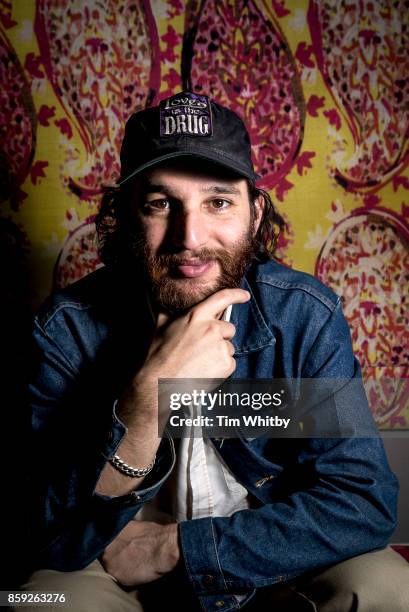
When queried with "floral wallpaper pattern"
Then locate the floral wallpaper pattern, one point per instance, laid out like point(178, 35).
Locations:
point(323, 86)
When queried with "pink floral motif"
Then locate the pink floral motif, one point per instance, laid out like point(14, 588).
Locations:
point(281, 189)
point(64, 127)
point(314, 104)
point(172, 78)
point(18, 125)
point(5, 15)
point(37, 171)
point(280, 8)
point(176, 8)
point(303, 54)
point(366, 260)
point(239, 55)
point(172, 40)
point(362, 52)
point(32, 65)
point(333, 117)
point(304, 161)
point(44, 114)
point(371, 200)
point(103, 65)
point(78, 256)
point(400, 181)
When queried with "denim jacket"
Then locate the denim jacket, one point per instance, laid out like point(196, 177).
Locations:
point(316, 501)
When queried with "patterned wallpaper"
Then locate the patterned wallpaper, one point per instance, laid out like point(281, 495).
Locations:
point(323, 86)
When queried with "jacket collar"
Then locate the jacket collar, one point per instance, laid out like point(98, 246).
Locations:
point(252, 331)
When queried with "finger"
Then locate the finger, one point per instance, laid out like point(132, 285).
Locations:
point(231, 349)
point(215, 304)
point(227, 329)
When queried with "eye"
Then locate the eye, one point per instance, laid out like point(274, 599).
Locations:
point(220, 204)
point(163, 204)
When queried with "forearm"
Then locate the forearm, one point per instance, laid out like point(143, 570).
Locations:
point(138, 410)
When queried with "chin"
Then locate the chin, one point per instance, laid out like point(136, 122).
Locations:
point(180, 294)
point(195, 290)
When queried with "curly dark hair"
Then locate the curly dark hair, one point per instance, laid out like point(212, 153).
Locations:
point(116, 229)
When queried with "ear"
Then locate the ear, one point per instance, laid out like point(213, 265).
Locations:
point(259, 208)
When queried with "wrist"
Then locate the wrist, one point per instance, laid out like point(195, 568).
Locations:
point(139, 400)
point(172, 543)
point(144, 387)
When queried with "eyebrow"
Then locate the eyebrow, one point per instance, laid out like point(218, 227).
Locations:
point(213, 189)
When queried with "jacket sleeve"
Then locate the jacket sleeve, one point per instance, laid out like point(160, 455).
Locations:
point(341, 502)
point(74, 430)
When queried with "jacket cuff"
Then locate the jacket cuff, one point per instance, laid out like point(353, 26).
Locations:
point(164, 464)
point(200, 555)
point(199, 548)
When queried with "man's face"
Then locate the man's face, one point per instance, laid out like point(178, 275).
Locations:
point(195, 233)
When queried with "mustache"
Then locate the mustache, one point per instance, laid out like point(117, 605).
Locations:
point(169, 259)
point(159, 264)
point(203, 255)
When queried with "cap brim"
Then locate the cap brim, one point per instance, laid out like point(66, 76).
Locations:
point(214, 158)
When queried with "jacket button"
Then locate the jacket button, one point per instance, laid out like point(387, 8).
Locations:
point(220, 603)
point(208, 580)
point(110, 435)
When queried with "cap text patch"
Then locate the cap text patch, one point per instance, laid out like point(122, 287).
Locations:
point(186, 113)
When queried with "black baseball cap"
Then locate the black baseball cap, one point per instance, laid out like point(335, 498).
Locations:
point(185, 125)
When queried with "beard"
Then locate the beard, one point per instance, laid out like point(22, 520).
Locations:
point(174, 293)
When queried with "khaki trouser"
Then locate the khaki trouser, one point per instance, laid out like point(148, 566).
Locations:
point(377, 581)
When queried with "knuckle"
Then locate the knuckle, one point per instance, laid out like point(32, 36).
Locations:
point(214, 326)
point(232, 328)
point(232, 366)
point(193, 315)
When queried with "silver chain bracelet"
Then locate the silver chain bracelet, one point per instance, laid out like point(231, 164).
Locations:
point(128, 470)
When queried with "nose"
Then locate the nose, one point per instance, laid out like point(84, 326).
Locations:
point(189, 230)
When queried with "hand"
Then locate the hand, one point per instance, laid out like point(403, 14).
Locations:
point(194, 345)
point(197, 343)
point(142, 552)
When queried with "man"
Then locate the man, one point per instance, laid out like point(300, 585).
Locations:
point(119, 514)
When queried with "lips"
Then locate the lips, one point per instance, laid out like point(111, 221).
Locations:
point(193, 269)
